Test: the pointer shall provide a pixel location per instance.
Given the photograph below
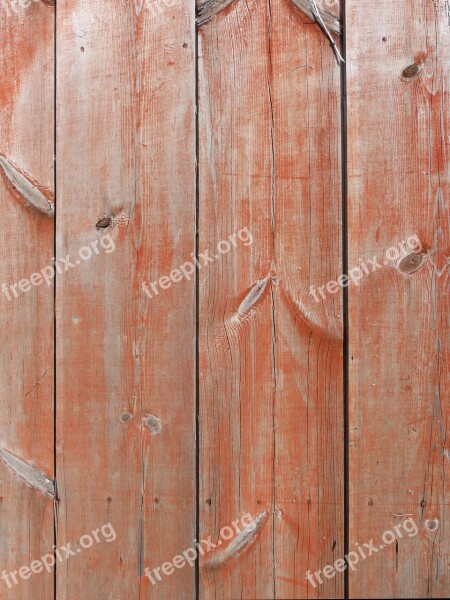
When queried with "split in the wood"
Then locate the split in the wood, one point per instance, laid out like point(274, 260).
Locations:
point(36, 383)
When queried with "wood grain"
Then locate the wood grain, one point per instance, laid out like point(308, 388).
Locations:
point(398, 141)
point(26, 321)
point(271, 419)
point(126, 156)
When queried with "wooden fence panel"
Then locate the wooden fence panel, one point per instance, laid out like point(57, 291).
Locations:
point(178, 279)
point(398, 146)
point(26, 307)
point(271, 429)
point(125, 360)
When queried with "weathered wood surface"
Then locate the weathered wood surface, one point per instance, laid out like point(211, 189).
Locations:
point(26, 321)
point(398, 144)
point(126, 157)
point(183, 407)
point(271, 413)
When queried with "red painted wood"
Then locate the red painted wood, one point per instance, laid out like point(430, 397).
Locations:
point(26, 317)
point(126, 151)
point(271, 412)
point(398, 132)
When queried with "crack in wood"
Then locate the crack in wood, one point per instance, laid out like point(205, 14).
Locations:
point(26, 188)
point(32, 477)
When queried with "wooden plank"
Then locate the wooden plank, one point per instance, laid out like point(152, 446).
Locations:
point(26, 312)
point(125, 386)
point(398, 140)
point(271, 417)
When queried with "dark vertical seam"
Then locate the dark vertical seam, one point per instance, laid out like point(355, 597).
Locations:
point(273, 263)
point(56, 499)
point(345, 300)
point(197, 310)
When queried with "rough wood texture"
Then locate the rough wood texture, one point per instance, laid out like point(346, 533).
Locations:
point(26, 321)
point(269, 439)
point(398, 140)
point(271, 417)
point(126, 156)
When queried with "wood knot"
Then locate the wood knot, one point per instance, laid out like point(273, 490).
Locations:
point(432, 524)
point(153, 424)
point(125, 417)
point(409, 264)
point(103, 223)
point(411, 71)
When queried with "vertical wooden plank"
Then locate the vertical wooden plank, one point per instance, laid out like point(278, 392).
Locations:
point(309, 449)
point(125, 387)
point(271, 419)
point(398, 139)
point(26, 312)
